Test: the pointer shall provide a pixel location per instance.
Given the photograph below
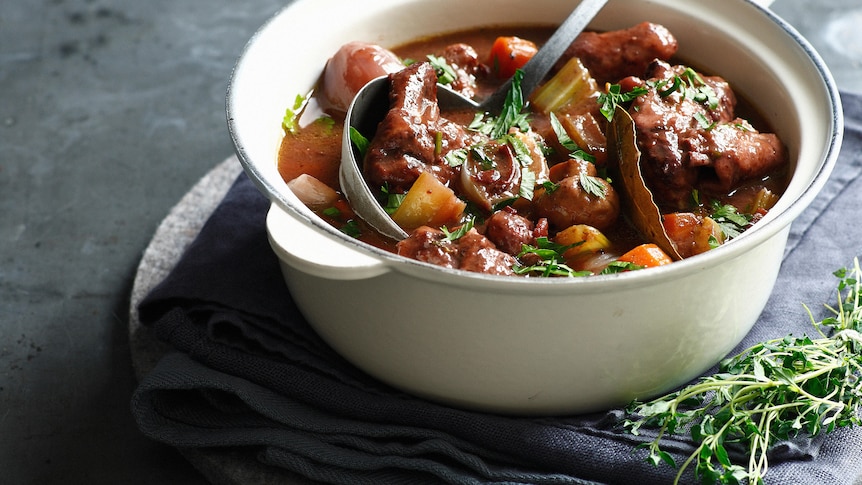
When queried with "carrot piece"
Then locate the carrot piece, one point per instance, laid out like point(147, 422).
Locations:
point(511, 53)
point(646, 255)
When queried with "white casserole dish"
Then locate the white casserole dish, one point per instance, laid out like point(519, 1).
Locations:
point(531, 346)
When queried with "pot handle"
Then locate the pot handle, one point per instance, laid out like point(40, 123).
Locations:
point(310, 251)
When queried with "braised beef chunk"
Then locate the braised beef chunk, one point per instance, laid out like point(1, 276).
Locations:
point(471, 252)
point(570, 202)
point(724, 107)
point(413, 137)
point(465, 61)
point(611, 56)
point(480, 255)
point(510, 231)
point(741, 153)
point(689, 135)
point(429, 245)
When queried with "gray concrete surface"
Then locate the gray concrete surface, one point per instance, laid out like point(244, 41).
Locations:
point(110, 110)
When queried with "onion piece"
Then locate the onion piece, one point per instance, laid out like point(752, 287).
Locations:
point(312, 192)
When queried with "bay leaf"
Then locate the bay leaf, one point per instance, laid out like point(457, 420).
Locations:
point(638, 203)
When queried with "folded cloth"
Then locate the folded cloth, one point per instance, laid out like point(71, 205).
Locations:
point(248, 372)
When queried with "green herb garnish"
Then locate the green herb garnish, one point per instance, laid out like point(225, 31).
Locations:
point(729, 219)
point(550, 187)
point(351, 228)
point(704, 122)
point(690, 85)
point(551, 261)
point(713, 242)
point(593, 186)
point(456, 158)
point(562, 136)
point(772, 391)
point(615, 267)
point(393, 200)
point(332, 212)
point(582, 155)
point(525, 160)
point(512, 115)
point(460, 232)
point(445, 73)
point(527, 187)
point(290, 122)
point(359, 141)
point(478, 153)
point(613, 98)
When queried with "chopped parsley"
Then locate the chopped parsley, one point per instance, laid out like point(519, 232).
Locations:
point(513, 114)
point(593, 185)
point(456, 158)
point(613, 98)
point(359, 140)
point(445, 73)
point(582, 155)
point(460, 232)
point(690, 85)
point(562, 136)
point(615, 267)
point(351, 228)
point(393, 200)
point(527, 187)
point(290, 122)
point(520, 150)
point(551, 261)
point(713, 242)
point(729, 219)
point(332, 212)
point(704, 122)
point(528, 177)
point(550, 187)
point(478, 153)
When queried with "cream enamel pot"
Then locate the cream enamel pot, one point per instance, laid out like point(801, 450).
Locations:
point(533, 346)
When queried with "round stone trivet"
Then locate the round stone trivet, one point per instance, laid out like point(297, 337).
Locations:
point(172, 237)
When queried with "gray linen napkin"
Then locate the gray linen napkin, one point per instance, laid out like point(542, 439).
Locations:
point(249, 373)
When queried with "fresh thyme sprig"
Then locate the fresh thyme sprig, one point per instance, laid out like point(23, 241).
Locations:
point(772, 391)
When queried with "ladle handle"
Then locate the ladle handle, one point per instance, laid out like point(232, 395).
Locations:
point(538, 67)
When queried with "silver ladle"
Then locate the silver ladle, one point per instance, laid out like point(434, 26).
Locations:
point(371, 104)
